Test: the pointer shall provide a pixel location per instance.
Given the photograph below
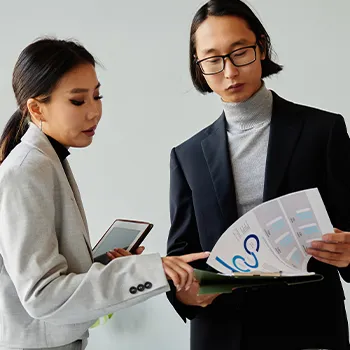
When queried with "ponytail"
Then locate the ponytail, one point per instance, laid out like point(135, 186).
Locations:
point(12, 134)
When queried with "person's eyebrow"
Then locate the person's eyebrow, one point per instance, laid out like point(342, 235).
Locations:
point(233, 45)
point(81, 90)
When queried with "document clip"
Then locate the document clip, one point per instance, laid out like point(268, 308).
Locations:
point(257, 274)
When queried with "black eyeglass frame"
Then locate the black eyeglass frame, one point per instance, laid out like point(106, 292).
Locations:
point(223, 57)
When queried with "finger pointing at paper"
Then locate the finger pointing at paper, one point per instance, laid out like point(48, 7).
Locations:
point(333, 249)
point(179, 271)
point(176, 268)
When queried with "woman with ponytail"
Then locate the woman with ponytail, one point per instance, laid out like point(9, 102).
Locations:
point(51, 290)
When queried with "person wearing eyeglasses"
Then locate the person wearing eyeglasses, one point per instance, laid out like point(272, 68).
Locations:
point(261, 147)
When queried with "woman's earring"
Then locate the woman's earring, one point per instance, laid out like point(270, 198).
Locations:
point(41, 125)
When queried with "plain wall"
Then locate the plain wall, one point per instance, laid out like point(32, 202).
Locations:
point(150, 106)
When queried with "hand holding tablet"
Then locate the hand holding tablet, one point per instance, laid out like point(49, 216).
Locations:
point(126, 234)
point(120, 252)
point(124, 237)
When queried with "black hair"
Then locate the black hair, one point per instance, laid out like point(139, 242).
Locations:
point(37, 71)
point(235, 8)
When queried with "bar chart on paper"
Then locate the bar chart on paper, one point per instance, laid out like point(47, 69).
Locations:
point(273, 236)
point(302, 218)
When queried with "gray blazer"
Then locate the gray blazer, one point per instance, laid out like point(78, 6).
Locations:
point(51, 292)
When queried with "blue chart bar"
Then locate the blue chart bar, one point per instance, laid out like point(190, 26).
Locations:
point(276, 225)
point(297, 258)
point(310, 230)
point(305, 215)
point(287, 240)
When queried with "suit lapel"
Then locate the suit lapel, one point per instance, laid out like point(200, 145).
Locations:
point(284, 133)
point(218, 160)
point(285, 130)
point(75, 191)
point(36, 138)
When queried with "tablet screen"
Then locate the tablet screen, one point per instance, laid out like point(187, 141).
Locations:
point(121, 236)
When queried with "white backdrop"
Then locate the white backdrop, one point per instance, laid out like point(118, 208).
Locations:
point(150, 106)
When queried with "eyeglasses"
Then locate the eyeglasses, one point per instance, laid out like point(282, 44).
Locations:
point(239, 58)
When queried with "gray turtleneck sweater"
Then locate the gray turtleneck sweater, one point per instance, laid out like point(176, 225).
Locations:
point(248, 129)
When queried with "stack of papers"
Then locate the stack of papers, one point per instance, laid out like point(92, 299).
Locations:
point(268, 244)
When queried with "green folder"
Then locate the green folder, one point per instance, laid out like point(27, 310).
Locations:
point(211, 282)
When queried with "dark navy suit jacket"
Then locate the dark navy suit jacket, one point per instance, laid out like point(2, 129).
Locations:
point(308, 148)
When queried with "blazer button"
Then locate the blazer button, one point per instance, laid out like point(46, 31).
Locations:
point(140, 287)
point(148, 285)
point(133, 290)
